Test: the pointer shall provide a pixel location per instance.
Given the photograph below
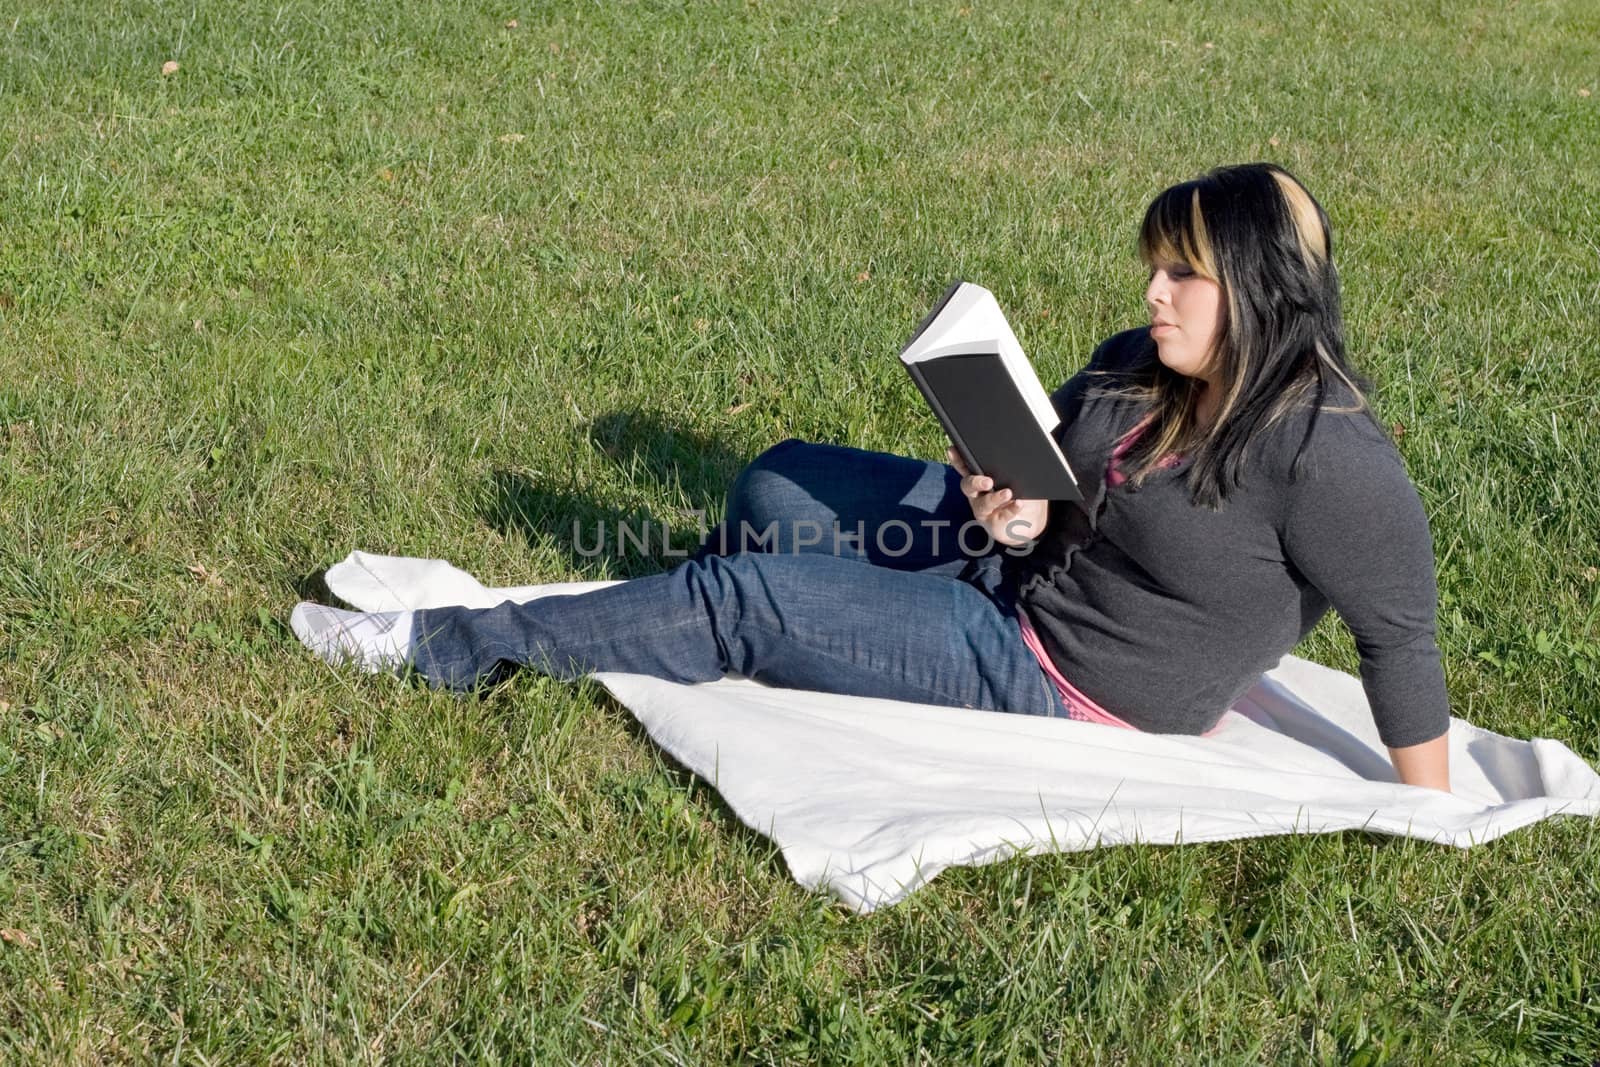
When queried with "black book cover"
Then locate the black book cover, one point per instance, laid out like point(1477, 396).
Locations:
point(991, 425)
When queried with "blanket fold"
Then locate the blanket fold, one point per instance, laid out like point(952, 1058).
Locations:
point(872, 798)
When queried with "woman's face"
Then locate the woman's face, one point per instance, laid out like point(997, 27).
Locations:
point(1185, 318)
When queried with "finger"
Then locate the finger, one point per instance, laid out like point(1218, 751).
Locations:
point(1014, 514)
point(990, 504)
point(957, 462)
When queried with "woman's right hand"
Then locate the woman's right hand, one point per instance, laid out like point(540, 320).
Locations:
point(1009, 521)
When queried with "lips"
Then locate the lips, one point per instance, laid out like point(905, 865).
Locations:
point(1161, 329)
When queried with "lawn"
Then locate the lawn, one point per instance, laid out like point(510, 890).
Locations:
point(282, 280)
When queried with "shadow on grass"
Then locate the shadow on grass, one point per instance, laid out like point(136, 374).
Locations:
point(314, 586)
point(660, 460)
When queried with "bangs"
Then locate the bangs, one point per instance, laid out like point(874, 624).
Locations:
point(1174, 231)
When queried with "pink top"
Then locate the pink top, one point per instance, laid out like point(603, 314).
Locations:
point(1078, 706)
point(1114, 475)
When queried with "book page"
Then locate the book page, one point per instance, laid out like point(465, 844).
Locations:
point(956, 323)
point(969, 322)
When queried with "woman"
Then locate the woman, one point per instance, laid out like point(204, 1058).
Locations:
point(1236, 484)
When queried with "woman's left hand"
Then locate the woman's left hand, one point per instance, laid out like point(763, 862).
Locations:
point(1008, 520)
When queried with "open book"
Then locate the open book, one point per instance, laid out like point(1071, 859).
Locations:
point(971, 369)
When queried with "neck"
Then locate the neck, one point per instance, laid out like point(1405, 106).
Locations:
point(1205, 412)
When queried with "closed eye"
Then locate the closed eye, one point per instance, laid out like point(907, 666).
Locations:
point(1176, 271)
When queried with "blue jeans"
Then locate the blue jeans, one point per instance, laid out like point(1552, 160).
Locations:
point(836, 570)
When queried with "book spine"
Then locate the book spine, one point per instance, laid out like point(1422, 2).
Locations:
point(927, 320)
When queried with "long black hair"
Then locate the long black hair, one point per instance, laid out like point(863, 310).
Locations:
point(1256, 232)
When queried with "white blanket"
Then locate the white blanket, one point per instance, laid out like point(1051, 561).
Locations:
point(872, 798)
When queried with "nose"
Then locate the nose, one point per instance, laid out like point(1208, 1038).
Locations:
point(1159, 291)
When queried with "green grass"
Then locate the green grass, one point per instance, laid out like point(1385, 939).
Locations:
point(398, 277)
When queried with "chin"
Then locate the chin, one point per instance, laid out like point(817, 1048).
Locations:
point(1177, 362)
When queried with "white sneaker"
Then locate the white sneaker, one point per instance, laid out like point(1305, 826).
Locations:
point(376, 642)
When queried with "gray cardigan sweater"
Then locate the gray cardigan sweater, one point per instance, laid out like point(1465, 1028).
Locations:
point(1164, 613)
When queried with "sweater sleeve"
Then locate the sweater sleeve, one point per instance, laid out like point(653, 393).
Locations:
point(1355, 529)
